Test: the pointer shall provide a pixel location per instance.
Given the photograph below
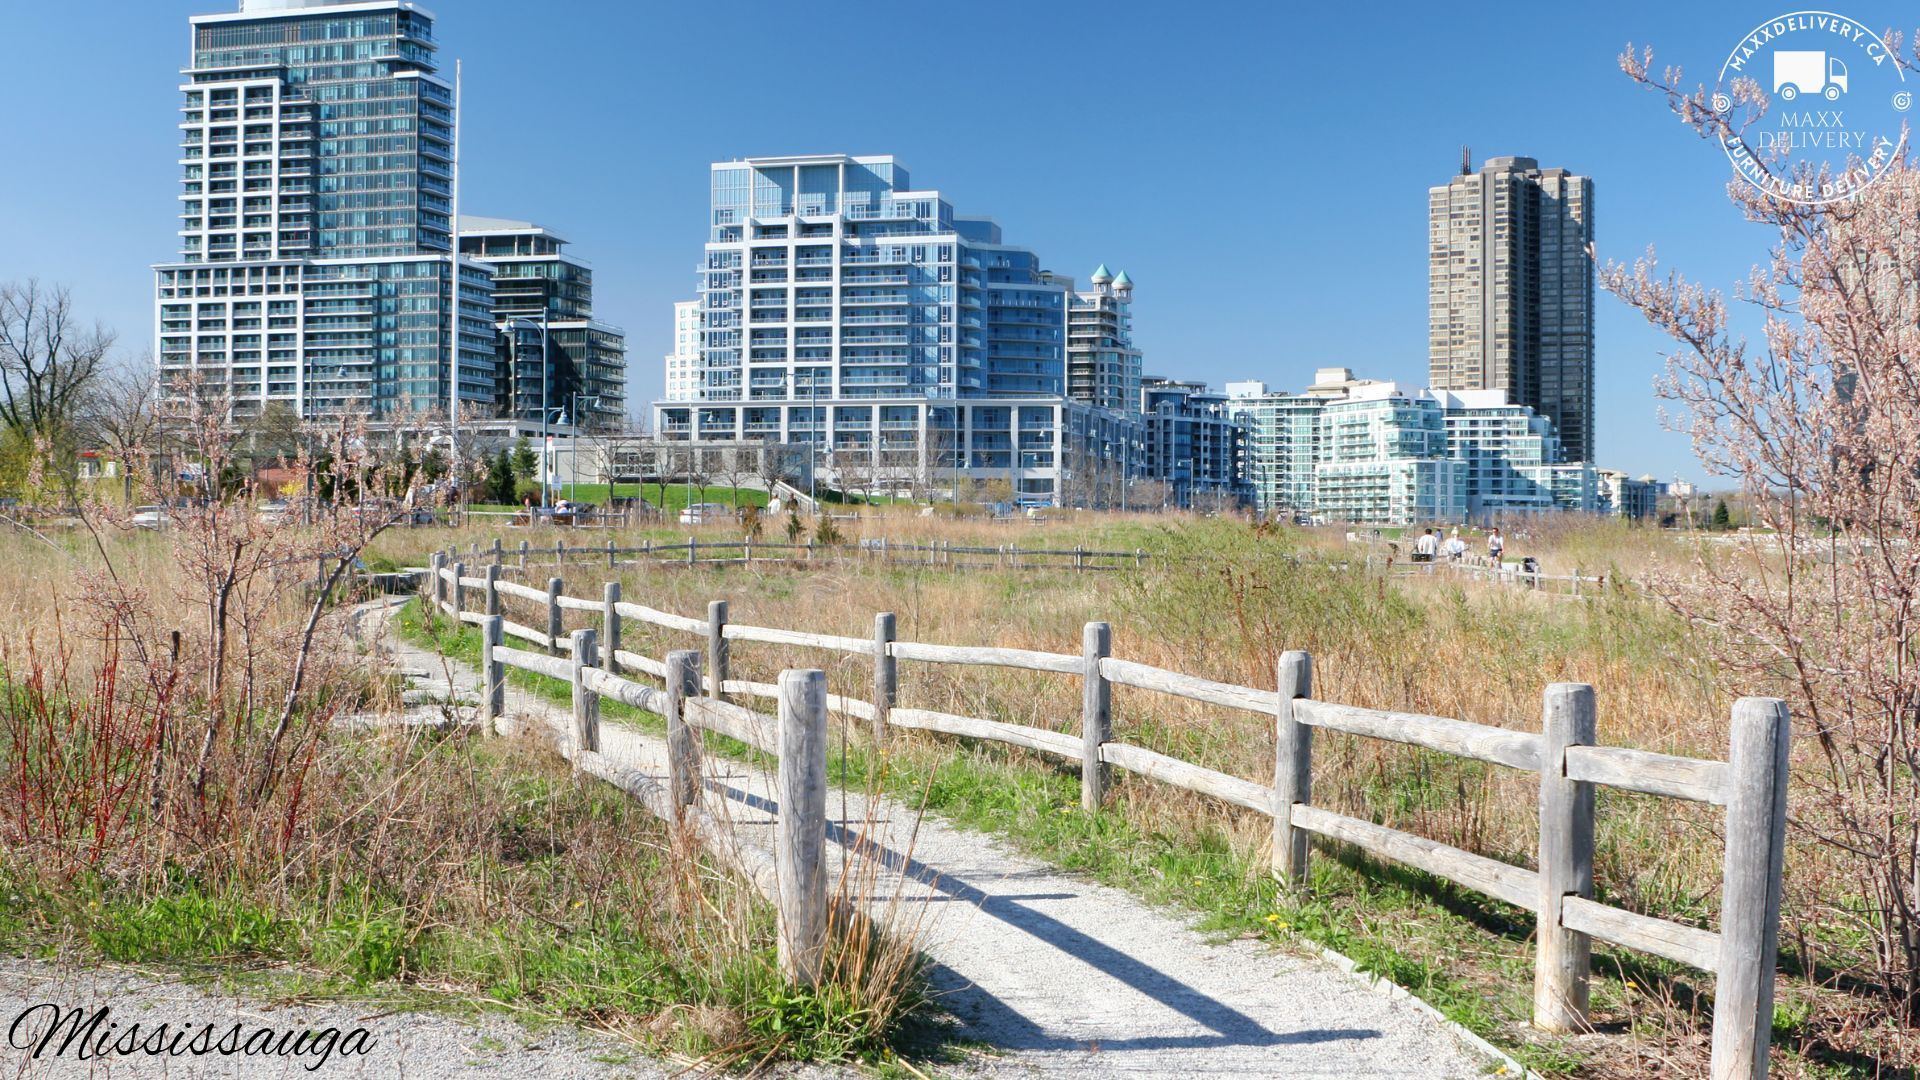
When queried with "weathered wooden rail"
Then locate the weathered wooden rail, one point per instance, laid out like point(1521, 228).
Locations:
point(796, 877)
point(695, 550)
point(1751, 784)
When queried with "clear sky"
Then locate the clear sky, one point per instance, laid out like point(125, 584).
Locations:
point(1260, 170)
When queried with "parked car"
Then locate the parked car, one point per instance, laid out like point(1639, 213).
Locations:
point(150, 517)
point(703, 513)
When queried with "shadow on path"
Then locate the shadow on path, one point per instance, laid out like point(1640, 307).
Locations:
point(1010, 1029)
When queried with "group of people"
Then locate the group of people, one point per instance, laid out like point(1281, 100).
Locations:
point(1428, 546)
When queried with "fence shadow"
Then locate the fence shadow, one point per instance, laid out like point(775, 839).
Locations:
point(976, 1008)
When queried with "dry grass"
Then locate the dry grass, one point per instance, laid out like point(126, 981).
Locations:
point(440, 865)
point(1230, 602)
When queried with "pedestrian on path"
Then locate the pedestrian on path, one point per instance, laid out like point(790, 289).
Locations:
point(1426, 547)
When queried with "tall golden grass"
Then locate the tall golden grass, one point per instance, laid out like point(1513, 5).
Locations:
point(1221, 600)
point(401, 856)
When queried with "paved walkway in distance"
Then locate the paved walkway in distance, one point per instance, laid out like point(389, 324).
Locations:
point(1062, 976)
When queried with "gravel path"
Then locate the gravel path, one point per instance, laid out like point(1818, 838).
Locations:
point(1064, 977)
point(408, 1044)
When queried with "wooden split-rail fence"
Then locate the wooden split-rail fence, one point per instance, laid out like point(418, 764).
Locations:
point(1751, 784)
point(695, 550)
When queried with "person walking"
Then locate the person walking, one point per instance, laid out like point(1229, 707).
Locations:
point(1426, 547)
point(1496, 545)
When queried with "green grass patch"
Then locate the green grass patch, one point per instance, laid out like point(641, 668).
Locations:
point(504, 879)
point(1392, 922)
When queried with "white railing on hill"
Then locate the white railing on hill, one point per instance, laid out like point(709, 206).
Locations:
point(1751, 784)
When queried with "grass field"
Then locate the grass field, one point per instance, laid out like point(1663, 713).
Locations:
point(407, 866)
point(1222, 603)
point(1215, 598)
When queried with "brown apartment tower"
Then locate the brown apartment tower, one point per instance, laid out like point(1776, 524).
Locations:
point(1510, 290)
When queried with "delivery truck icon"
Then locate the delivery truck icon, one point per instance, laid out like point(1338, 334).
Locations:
point(1808, 72)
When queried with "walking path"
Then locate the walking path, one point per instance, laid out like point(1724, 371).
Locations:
point(1061, 976)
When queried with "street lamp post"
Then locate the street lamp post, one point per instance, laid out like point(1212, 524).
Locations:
point(546, 464)
point(813, 428)
point(573, 480)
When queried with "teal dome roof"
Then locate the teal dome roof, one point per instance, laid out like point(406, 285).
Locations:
point(1123, 281)
point(1100, 276)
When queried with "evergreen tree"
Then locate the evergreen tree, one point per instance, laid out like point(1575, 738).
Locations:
point(500, 477)
point(525, 461)
point(1722, 517)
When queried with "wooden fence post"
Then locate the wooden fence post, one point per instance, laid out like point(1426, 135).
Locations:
point(498, 552)
point(1562, 957)
point(1079, 557)
point(683, 739)
point(1292, 767)
point(800, 833)
point(717, 647)
point(493, 675)
point(609, 553)
point(586, 703)
point(610, 623)
point(559, 551)
point(459, 592)
point(1096, 713)
point(493, 589)
point(434, 581)
point(553, 616)
point(523, 554)
point(1750, 889)
point(886, 675)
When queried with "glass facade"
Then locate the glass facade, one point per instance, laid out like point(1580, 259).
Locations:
point(543, 297)
point(317, 179)
point(840, 306)
point(1194, 443)
point(316, 266)
point(1103, 367)
point(831, 275)
point(344, 103)
point(1369, 452)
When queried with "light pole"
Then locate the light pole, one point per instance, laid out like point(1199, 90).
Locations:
point(573, 480)
point(546, 464)
point(813, 428)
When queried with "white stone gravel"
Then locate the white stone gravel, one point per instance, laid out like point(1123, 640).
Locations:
point(403, 1044)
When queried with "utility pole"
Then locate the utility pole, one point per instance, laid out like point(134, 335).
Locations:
point(546, 437)
point(453, 299)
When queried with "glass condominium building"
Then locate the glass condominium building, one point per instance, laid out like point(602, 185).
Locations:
point(543, 297)
point(1194, 443)
point(316, 267)
point(1378, 453)
point(1103, 367)
point(840, 306)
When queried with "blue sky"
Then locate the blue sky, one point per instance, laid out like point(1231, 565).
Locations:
point(1260, 172)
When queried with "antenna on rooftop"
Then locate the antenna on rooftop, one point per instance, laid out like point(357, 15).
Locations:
point(1466, 160)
